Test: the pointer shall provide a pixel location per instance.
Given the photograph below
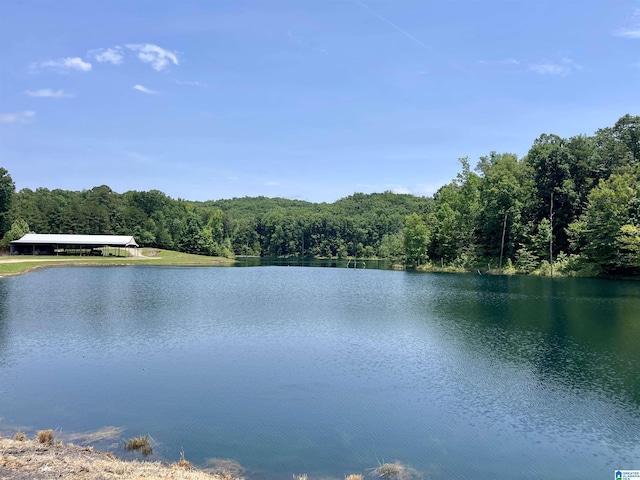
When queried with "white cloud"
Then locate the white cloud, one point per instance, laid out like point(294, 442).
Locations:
point(69, 63)
point(48, 93)
point(634, 31)
point(157, 57)
point(191, 83)
point(20, 117)
point(110, 55)
point(630, 33)
point(549, 69)
point(401, 190)
point(562, 67)
point(426, 189)
point(142, 89)
point(387, 187)
point(508, 61)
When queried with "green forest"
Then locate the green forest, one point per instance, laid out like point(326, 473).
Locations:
point(571, 204)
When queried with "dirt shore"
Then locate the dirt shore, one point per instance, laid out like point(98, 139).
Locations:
point(30, 460)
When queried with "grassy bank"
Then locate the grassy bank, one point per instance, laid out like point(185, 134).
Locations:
point(16, 265)
point(35, 459)
point(45, 456)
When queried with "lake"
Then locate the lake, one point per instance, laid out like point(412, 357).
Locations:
point(330, 371)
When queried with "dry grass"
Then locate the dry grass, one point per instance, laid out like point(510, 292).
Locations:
point(300, 477)
point(225, 468)
point(141, 444)
point(395, 470)
point(102, 434)
point(45, 436)
point(19, 437)
point(29, 460)
point(354, 476)
point(183, 463)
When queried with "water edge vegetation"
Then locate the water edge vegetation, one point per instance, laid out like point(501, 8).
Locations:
point(571, 206)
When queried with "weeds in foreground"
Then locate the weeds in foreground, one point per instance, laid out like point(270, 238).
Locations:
point(141, 444)
point(300, 477)
point(387, 470)
point(226, 468)
point(102, 434)
point(20, 437)
point(45, 436)
point(354, 476)
point(395, 470)
point(184, 463)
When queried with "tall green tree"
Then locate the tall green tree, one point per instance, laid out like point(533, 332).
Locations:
point(551, 162)
point(7, 190)
point(504, 190)
point(626, 132)
point(628, 240)
point(454, 218)
point(599, 235)
point(18, 229)
point(416, 240)
point(392, 248)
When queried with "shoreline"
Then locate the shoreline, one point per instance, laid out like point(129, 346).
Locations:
point(33, 460)
point(11, 266)
point(105, 264)
point(26, 264)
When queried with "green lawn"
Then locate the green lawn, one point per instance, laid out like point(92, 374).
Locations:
point(15, 265)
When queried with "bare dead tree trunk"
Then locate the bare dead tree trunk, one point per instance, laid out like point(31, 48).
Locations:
point(551, 235)
point(504, 231)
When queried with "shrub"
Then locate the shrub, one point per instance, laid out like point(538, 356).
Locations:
point(575, 265)
point(45, 436)
point(141, 444)
point(544, 270)
point(354, 476)
point(526, 261)
point(395, 470)
point(508, 267)
point(183, 463)
point(388, 470)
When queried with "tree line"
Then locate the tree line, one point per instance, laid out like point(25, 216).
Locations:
point(571, 204)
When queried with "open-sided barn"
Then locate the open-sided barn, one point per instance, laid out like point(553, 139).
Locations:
point(58, 244)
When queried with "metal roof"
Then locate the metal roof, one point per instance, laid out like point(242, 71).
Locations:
point(59, 239)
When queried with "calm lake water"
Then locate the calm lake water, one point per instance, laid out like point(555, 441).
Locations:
point(329, 371)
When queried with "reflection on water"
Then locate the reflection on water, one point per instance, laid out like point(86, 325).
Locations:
point(331, 371)
point(353, 263)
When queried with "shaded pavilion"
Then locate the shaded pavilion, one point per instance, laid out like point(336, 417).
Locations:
point(58, 244)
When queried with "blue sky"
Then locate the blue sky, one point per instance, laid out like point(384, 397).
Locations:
point(308, 99)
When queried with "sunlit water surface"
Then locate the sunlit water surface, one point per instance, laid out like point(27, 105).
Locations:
point(329, 371)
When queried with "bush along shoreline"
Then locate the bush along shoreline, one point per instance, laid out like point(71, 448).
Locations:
point(44, 457)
